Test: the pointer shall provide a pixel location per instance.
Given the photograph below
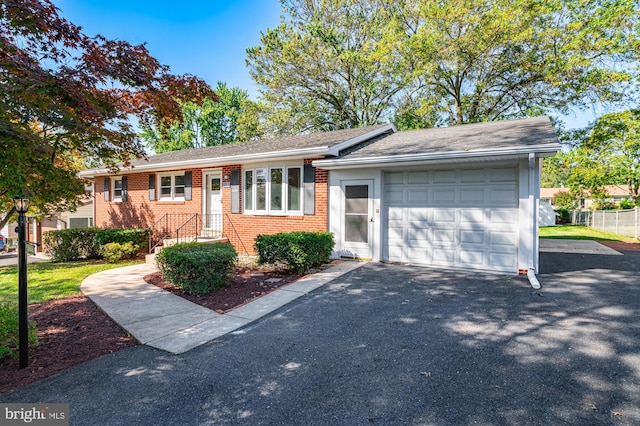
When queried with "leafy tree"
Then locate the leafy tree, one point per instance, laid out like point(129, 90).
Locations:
point(348, 63)
point(480, 61)
point(228, 119)
point(556, 170)
point(67, 98)
point(614, 143)
point(322, 68)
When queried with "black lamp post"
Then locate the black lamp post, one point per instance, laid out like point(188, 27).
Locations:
point(22, 205)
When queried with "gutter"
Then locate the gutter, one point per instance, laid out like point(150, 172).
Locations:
point(531, 272)
point(541, 151)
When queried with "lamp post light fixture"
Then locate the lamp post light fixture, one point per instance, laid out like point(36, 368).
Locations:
point(22, 204)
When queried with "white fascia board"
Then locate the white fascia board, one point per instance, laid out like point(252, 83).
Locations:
point(335, 149)
point(214, 162)
point(541, 151)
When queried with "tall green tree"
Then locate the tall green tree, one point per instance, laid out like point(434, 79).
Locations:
point(479, 60)
point(231, 117)
point(322, 68)
point(613, 149)
point(347, 63)
point(65, 96)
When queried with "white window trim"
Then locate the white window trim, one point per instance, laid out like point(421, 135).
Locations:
point(173, 196)
point(113, 190)
point(285, 190)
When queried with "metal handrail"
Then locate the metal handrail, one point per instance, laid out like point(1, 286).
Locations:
point(188, 223)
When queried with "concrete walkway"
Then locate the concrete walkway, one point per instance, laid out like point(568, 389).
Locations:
point(165, 321)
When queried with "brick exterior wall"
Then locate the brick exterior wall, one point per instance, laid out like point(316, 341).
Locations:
point(241, 229)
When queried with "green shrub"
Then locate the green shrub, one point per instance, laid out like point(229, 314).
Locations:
point(627, 203)
point(564, 215)
point(137, 236)
point(9, 336)
point(298, 250)
point(198, 268)
point(565, 200)
point(71, 244)
point(66, 245)
point(115, 252)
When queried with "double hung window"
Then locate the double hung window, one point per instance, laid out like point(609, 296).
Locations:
point(172, 187)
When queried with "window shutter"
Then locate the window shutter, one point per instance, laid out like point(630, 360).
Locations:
point(187, 185)
point(152, 187)
point(235, 190)
point(124, 188)
point(107, 186)
point(309, 183)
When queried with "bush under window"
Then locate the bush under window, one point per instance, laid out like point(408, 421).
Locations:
point(298, 250)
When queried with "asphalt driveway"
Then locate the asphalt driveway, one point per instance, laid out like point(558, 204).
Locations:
point(389, 344)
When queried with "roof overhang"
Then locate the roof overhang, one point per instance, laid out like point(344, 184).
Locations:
point(282, 155)
point(403, 160)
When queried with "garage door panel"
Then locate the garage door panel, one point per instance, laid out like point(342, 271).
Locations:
point(417, 231)
point(473, 196)
point(393, 178)
point(394, 196)
point(472, 257)
point(444, 196)
point(474, 216)
point(459, 218)
point(416, 214)
point(503, 197)
point(418, 177)
point(418, 195)
point(506, 174)
point(443, 235)
point(502, 238)
point(472, 237)
point(503, 261)
point(473, 176)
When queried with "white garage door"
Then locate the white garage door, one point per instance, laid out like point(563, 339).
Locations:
point(457, 218)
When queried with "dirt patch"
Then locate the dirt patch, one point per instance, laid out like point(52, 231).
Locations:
point(71, 330)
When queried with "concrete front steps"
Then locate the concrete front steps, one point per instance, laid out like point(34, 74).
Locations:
point(151, 258)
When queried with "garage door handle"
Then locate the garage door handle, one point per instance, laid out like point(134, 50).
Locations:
point(371, 219)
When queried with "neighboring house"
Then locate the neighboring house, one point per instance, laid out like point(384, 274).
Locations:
point(616, 193)
point(462, 196)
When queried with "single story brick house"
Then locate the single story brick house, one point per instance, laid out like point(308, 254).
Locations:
point(461, 197)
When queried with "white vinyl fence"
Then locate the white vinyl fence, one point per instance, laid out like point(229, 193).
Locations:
point(621, 222)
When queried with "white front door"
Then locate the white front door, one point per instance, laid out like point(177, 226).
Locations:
point(213, 216)
point(357, 219)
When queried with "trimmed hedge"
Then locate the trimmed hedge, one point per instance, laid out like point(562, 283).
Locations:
point(66, 245)
point(198, 268)
point(9, 336)
point(299, 250)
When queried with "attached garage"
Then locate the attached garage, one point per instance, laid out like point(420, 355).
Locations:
point(464, 218)
point(461, 197)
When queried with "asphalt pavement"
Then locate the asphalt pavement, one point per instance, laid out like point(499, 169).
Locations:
point(394, 344)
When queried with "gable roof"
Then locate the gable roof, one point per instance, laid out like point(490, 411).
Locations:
point(506, 139)
point(287, 147)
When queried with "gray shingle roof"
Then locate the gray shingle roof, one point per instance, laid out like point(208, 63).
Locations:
point(481, 136)
point(285, 143)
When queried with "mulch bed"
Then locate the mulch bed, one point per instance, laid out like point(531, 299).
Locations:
point(248, 284)
point(71, 330)
point(620, 246)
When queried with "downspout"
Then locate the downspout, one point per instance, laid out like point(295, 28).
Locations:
point(531, 272)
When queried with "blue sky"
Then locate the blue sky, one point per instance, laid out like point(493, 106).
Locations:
point(206, 38)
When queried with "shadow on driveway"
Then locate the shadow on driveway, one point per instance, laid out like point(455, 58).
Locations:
point(390, 344)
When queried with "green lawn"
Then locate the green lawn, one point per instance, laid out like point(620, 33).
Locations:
point(48, 280)
point(574, 232)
